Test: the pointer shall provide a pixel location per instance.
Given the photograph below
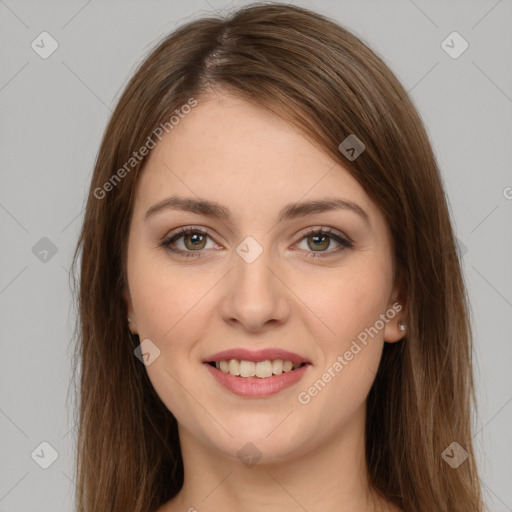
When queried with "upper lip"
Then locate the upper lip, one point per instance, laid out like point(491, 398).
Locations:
point(256, 355)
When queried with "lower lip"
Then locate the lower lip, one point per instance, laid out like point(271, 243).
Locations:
point(254, 386)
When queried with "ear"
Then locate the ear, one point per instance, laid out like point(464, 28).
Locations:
point(396, 313)
point(132, 322)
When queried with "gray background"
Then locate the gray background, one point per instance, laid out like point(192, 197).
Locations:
point(53, 113)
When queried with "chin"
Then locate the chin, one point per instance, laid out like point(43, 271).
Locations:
point(269, 441)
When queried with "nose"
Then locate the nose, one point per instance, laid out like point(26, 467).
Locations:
point(255, 296)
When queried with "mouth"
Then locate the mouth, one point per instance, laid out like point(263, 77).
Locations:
point(256, 369)
point(251, 379)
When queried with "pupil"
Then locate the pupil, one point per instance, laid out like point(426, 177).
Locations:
point(321, 239)
point(194, 240)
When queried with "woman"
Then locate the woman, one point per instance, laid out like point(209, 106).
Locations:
point(272, 311)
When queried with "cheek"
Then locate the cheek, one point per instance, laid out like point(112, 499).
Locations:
point(350, 304)
point(164, 296)
point(347, 301)
point(169, 310)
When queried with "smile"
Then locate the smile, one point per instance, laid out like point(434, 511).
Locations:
point(261, 369)
point(256, 380)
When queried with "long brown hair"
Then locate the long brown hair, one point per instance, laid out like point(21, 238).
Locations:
point(328, 83)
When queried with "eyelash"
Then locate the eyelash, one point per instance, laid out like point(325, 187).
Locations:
point(344, 243)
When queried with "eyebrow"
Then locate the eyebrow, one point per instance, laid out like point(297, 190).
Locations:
point(290, 211)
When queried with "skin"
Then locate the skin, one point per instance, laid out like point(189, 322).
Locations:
point(240, 155)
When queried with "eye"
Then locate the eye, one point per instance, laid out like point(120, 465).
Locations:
point(188, 241)
point(318, 240)
point(191, 241)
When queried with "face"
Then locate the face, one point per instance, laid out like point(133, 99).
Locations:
point(315, 282)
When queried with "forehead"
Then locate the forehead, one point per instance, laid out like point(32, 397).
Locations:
point(237, 153)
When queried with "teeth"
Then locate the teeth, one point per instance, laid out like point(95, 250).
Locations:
point(247, 369)
point(261, 369)
point(264, 369)
point(287, 366)
point(277, 367)
point(233, 367)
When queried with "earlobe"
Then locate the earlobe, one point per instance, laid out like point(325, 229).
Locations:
point(131, 326)
point(127, 301)
point(395, 331)
point(129, 312)
point(396, 328)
